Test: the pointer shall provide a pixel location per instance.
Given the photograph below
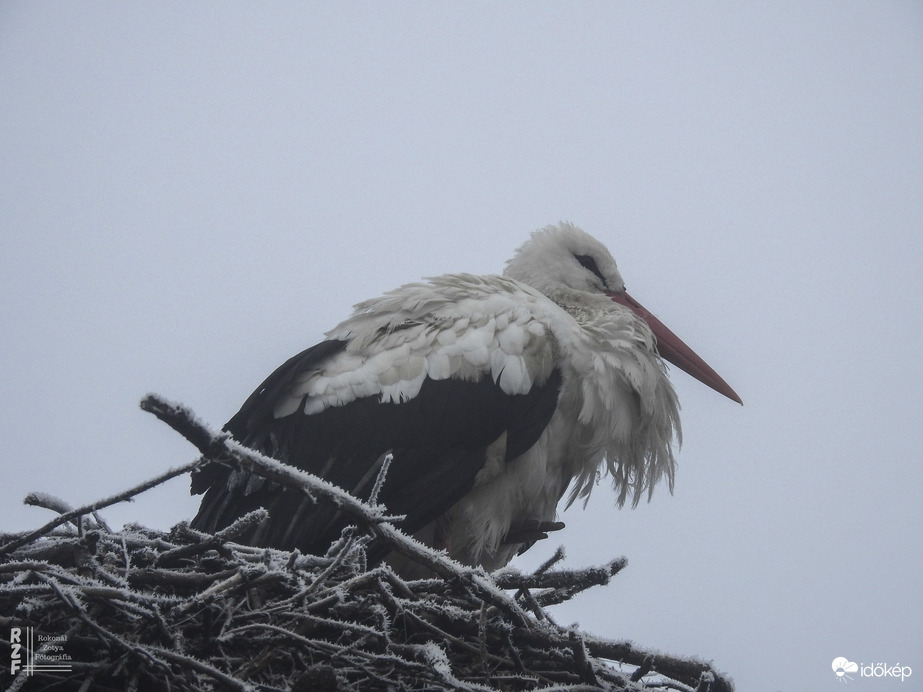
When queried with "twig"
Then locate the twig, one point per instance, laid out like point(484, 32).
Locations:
point(95, 506)
point(380, 479)
point(591, 576)
point(687, 671)
point(229, 533)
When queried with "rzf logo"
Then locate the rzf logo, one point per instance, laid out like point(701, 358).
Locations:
point(49, 657)
point(15, 650)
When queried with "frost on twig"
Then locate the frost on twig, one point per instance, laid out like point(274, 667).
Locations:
point(183, 610)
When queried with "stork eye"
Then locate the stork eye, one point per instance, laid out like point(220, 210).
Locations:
point(589, 264)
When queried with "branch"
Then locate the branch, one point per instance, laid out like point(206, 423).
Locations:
point(591, 576)
point(96, 506)
point(226, 534)
point(221, 446)
point(687, 671)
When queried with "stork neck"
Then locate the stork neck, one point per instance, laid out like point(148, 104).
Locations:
point(581, 305)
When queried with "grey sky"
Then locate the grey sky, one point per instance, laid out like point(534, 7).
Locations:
point(191, 193)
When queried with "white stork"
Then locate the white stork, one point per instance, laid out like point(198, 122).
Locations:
point(493, 394)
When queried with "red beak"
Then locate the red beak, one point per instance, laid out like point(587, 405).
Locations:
point(674, 350)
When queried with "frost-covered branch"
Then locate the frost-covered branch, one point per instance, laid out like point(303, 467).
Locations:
point(93, 507)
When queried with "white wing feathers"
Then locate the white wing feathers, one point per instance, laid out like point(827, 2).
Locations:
point(460, 326)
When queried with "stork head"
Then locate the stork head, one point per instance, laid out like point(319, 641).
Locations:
point(565, 257)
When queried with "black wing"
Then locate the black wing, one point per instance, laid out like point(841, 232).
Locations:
point(438, 440)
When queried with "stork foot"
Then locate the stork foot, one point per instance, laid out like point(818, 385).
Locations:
point(531, 530)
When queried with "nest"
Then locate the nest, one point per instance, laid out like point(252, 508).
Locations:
point(87, 607)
